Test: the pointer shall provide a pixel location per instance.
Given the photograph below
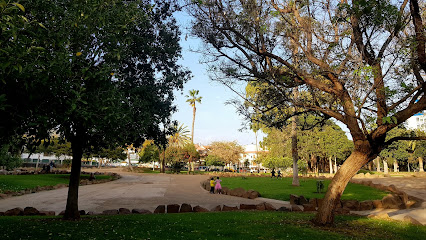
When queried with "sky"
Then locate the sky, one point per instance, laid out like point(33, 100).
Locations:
point(214, 120)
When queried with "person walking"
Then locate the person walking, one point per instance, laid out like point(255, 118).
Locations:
point(212, 185)
point(218, 187)
point(273, 173)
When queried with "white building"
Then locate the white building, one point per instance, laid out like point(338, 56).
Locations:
point(417, 122)
point(251, 152)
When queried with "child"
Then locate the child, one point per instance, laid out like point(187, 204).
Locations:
point(218, 187)
point(211, 185)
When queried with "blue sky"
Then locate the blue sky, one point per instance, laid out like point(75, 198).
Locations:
point(214, 120)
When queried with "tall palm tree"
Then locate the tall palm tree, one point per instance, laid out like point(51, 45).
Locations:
point(192, 99)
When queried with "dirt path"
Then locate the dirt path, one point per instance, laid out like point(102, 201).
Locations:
point(133, 190)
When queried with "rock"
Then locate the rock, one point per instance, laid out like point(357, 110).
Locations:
point(392, 202)
point(141, 211)
point(2, 195)
point(381, 215)
point(62, 213)
point(237, 192)
point(14, 212)
point(313, 201)
point(253, 194)
point(1, 213)
point(245, 195)
point(47, 213)
point(173, 208)
point(367, 175)
point(391, 188)
point(377, 204)
point(228, 208)
point(294, 199)
point(269, 207)
point(261, 206)
point(225, 190)
point(110, 212)
point(218, 208)
point(124, 211)
point(82, 212)
point(295, 208)
point(247, 206)
point(160, 209)
point(308, 208)
point(412, 220)
point(199, 209)
point(342, 210)
point(350, 204)
point(283, 209)
point(366, 205)
point(185, 208)
point(30, 211)
point(302, 200)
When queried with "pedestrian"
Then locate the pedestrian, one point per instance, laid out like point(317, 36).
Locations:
point(279, 174)
point(218, 187)
point(273, 173)
point(212, 185)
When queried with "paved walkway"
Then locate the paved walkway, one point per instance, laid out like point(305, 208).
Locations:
point(145, 191)
point(414, 186)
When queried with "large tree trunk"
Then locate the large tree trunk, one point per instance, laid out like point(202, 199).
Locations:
point(421, 164)
point(294, 152)
point(194, 109)
point(350, 167)
point(385, 166)
point(71, 210)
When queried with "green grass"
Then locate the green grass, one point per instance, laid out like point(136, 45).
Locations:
point(214, 225)
point(16, 183)
point(281, 188)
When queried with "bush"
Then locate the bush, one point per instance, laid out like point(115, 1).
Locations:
point(8, 160)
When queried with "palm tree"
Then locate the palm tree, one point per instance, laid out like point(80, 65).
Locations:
point(180, 136)
point(192, 99)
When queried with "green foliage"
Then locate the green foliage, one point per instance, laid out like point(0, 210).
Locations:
point(149, 152)
point(16, 183)
point(8, 160)
point(185, 153)
point(97, 76)
point(273, 162)
point(212, 160)
point(228, 152)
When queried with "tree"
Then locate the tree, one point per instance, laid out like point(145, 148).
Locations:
point(212, 160)
point(358, 62)
point(149, 152)
point(192, 99)
point(105, 78)
point(228, 152)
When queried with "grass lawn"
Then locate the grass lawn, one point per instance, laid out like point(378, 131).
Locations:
point(214, 225)
point(281, 188)
point(17, 183)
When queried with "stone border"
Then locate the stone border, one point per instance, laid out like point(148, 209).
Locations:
point(90, 181)
point(170, 208)
point(237, 192)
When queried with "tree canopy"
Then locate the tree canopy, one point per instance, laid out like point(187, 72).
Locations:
point(360, 62)
point(102, 75)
